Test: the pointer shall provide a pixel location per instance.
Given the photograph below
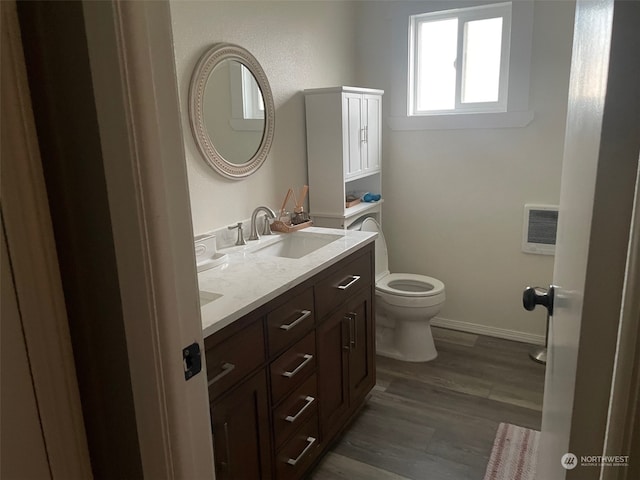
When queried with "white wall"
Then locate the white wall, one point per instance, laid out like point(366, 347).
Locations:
point(453, 198)
point(299, 45)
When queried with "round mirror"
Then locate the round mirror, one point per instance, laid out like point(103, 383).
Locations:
point(231, 111)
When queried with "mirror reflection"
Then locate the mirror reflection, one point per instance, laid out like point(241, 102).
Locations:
point(233, 110)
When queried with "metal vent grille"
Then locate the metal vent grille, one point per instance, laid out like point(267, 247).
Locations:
point(540, 228)
point(543, 225)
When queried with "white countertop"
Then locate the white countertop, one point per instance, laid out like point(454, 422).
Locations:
point(248, 280)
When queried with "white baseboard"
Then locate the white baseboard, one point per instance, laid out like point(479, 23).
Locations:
point(487, 330)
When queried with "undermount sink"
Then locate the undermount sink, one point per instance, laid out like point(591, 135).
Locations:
point(296, 245)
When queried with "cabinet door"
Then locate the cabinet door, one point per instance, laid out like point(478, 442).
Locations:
point(353, 134)
point(362, 376)
point(241, 444)
point(371, 116)
point(333, 372)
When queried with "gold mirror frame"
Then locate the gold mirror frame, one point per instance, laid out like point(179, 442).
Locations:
point(211, 58)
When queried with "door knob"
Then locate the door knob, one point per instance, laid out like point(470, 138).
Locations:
point(533, 296)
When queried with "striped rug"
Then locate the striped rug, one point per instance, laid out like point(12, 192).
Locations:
point(514, 454)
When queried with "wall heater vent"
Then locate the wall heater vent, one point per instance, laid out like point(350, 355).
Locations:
point(540, 228)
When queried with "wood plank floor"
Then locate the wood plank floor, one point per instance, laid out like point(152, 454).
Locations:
point(438, 420)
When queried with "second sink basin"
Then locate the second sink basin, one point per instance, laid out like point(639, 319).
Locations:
point(297, 244)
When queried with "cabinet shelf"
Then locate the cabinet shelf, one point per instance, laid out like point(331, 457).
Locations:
point(361, 208)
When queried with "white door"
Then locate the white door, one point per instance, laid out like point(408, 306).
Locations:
point(598, 179)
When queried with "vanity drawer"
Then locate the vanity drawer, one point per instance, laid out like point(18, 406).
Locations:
point(295, 410)
point(231, 360)
point(291, 321)
point(342, 283)
point(291, 368)
point(299, 452)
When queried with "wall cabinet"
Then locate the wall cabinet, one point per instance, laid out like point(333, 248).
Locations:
point(344, 137)
point(286, 379)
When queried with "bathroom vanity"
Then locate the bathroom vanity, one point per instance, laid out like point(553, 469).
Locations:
point(293, 362)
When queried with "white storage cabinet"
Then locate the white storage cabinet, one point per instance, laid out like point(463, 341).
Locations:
point(344, 147)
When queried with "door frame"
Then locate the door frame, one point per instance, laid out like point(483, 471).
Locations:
point(34, 262)
point(131, 54)
point(623, 423)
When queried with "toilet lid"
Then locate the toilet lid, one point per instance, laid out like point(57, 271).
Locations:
point(410, 285)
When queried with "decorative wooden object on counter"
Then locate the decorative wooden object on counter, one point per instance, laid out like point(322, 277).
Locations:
point(286, 379)
point(278, 226)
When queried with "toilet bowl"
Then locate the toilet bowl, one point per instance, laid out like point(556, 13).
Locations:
point(405, 304)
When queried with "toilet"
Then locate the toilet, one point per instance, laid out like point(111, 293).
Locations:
point(405, 304)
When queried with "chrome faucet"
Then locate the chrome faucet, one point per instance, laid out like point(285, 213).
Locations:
point(270, 214)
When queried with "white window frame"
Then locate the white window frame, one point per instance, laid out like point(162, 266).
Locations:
point(464, 15)
point(517, 114)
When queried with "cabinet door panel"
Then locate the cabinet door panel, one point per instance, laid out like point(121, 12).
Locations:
point(372, 115)
point(362, 346)
point(352, 114)
point(241, 439)
point(333, 372)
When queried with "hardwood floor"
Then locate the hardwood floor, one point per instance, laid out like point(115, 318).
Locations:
point(438, 420)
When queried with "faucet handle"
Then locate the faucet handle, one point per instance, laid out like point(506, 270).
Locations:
point(240, 240)
point(266, 229)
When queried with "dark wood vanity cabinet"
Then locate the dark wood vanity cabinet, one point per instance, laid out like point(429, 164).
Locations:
point(285, 379)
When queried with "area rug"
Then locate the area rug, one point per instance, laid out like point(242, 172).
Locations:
point(514, 454)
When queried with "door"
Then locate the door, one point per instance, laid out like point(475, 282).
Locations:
point(240, 423)
point(598, 180)
point(42, 434)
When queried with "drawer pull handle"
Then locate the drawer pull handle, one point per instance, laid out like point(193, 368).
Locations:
point(310, 442)
point(307, 359)
point(227, 368)
point(309, 400)
point(305, 314)
point(354, 279)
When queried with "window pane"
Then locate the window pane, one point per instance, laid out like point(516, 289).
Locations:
point(436, 71)
point(481, 69)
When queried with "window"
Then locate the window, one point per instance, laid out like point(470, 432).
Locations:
point(459, 60)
